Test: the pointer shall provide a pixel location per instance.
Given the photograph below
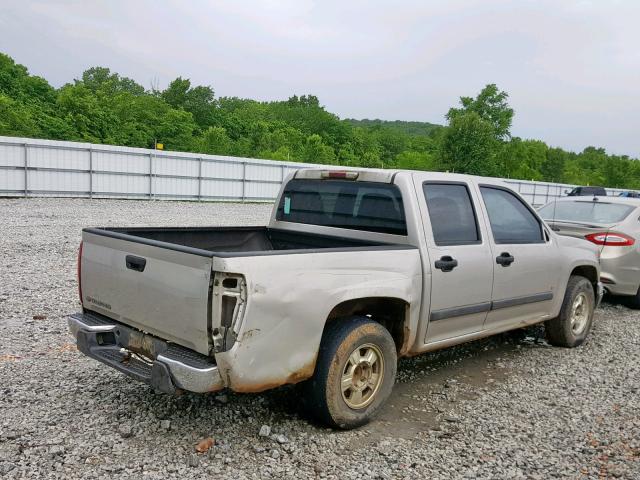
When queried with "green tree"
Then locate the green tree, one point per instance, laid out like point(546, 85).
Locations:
point(140, 121)
point(16, 83)
point(469, 146)
point(91, 121)
point(105, 107)
point(15, 118)
point(411, 160)
point(199, 101)
point(491, 106)
point(100, 79)
point(553, 167)
point(216, 141)
point(175, 129)
point(371, 159)
point(346, 155)
point(315, 151)
point(587, 167)
point(616, 171)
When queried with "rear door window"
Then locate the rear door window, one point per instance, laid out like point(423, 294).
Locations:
point(512, 221)
point(453, 218)
point(585, 212)
point(371, 206)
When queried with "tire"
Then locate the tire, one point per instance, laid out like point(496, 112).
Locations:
point(358, 349)
point(571, 327)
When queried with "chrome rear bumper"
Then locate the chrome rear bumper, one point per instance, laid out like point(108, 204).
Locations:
point(165, 366)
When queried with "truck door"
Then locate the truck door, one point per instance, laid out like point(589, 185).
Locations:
point(459, 254)
point(526, 261)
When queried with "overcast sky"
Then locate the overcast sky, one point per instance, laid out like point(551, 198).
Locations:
point(571, 68)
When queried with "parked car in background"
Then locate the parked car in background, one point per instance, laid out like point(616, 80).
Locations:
point(629, 194)
point(614, 225)
point(587, 191)
point(355, 269)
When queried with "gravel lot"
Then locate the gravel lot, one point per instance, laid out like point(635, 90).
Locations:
point(507, 407)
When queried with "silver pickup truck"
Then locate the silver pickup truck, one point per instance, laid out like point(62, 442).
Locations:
point(354, 270)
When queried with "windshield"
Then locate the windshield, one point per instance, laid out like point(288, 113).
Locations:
point(585, 212)
point(376, 207)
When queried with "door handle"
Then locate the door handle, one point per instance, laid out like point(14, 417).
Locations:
point(446, 263)
point(505, 259)
point(135, 263)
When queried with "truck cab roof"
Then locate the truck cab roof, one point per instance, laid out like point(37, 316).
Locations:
point(384, 175)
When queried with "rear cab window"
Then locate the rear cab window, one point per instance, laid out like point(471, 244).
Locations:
point(451, 214)
point(585, 211)
point(370, 206)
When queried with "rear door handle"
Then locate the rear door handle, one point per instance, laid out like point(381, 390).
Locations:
point(136, 263)
point(505, 259)
point(446, 263)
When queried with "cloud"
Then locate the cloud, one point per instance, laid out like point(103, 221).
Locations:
point(571, 68)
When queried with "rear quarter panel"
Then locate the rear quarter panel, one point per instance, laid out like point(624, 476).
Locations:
point(575, 253)
point(289, 299)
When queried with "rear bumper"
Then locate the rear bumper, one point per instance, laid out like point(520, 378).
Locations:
point(621, 274)
point(165, 366)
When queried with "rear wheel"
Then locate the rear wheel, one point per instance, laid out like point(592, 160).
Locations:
point(571, 327)
point(355, 372)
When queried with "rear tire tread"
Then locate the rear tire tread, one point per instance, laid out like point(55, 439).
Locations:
point(322, 401)
point(558, 330)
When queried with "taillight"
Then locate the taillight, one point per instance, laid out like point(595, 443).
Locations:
point(80, 272)
point(610, 239)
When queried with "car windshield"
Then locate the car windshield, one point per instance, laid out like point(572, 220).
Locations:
point(376, 207)
point(585, 212)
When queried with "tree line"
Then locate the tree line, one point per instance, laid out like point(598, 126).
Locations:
point(104, 107)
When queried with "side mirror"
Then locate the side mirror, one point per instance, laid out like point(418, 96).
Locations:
point(566, 192)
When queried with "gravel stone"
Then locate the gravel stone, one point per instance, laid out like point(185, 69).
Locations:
point(125, 430)
point(56, 450)
point(222, 399)
point(281, 439)
point(193, 460)
point(524, 409)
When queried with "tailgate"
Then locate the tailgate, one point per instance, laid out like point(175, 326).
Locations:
point(158, 290)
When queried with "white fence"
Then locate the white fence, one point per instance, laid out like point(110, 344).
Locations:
point(30, 167)
point(51, 168)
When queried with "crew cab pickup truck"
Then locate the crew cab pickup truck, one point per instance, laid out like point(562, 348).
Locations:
point(355, 269)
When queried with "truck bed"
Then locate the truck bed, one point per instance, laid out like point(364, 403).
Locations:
point(159, 280)
point(233, 241)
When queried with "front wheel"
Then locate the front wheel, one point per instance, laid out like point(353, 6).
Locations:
point(571, 327)
point(355, 372)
